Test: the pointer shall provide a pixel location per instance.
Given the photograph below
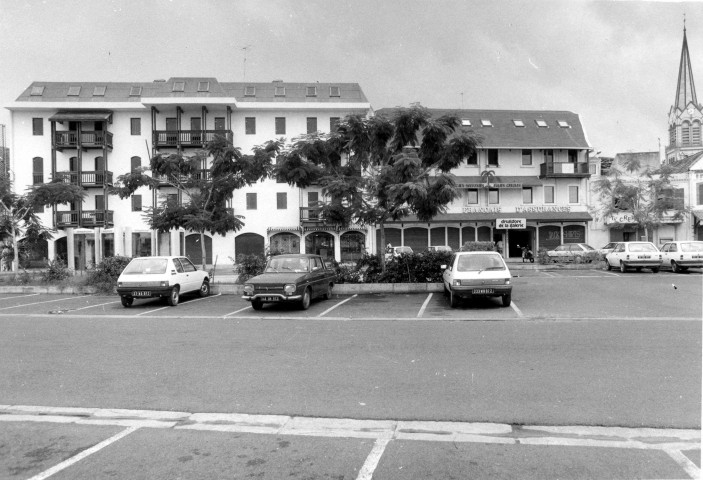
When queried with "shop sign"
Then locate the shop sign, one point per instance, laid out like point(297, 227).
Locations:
point(481, 210)
point(543, 209)
point(491, 185)
point(511, 223)
point(623, 217)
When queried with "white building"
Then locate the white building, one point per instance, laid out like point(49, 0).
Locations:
point(89, 133)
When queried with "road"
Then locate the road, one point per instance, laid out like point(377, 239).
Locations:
point(581, 357)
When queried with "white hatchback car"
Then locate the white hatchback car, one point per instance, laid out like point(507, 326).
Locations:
point(634, 255)
point(681, 256)
point(170, 277)
point(477, 274)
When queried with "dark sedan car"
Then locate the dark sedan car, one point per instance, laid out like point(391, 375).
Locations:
point(291, 278)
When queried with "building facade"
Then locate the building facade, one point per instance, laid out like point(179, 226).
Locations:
point(89, 133)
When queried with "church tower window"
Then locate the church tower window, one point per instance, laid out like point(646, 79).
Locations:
point(685, 134)
point(696, 133)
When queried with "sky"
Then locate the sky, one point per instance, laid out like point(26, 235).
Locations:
point(615, 63)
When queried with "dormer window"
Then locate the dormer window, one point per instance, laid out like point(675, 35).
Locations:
point(74, 91)
point(564, 124)
point(335, 92)
point(311, 91)
point(486, 123)
point(279, 91)
point(519, 123)
point(37, 91)
point(203, 86)
point(541, 123)
point(179, 86)
point(99, 91)
point(249, 91)
point(465, 122)
point(135, 91)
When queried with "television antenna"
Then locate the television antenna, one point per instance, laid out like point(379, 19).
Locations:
point(244, 64)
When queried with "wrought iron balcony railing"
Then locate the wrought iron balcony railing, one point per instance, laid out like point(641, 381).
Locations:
point(564, 169)
point(89, 139)
point(187, 138)
point(86, 179)
point(84, 218)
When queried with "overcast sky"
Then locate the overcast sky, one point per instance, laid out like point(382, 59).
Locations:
point(613, 62)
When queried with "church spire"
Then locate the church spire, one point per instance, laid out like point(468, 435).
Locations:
point(685, 90)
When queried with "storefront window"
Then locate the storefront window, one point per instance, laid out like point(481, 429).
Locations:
point(141, 244)
point(284, 242)
point(353, 245)
point(320, 243)
point(549, 237)
point(108, 245)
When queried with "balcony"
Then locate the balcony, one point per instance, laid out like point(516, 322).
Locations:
point(86, 179)
point(85, 218)
point(200, 175)
point(187, 138)
point(564, 170)
point(311, 216)
point(86, 140)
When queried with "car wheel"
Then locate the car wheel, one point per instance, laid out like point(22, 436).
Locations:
point(623, 268)
point(305, 301)
point(446, 292)
point(675, 267)
point(127, 301)
point(608, 267)
point(453, 299)
point(655, 270)
point(507, 298)
point(173, 297)
point(328, 293)
point(204, 289)
point(257, 304)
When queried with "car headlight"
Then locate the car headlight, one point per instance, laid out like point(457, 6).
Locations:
point(289, 289)
point(164, 283)
point(456, 282)
point(248, 289)
point(119, 284)
point(507, 281)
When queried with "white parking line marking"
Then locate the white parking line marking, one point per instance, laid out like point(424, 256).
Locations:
point(21, 296)
point(424, 306)
point(611, 274)
point(337, 305)
point(517, 310)
point(151, 311)
point(77, 458)
point(366, 472)
point(685, 463)
point(91, 306)
point(46, 301)
point(549, 274)
point(235, 312)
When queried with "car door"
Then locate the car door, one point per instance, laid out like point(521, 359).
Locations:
point(614, 256)
point(192, 279)
point(447, 274)
point(317, 276)
point(178, 274)
point(666, 250)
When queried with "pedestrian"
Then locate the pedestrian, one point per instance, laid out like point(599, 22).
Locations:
point(5, 257)
point(500, 246)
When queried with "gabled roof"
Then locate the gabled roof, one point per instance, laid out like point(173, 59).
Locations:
point(685, 164)
point(504, 133)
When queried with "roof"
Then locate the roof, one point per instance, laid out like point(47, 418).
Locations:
point(685, 164)
point(481, 217)
point(685, 88)
point(504, 133)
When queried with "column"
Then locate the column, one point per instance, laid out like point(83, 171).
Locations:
point(70, 249)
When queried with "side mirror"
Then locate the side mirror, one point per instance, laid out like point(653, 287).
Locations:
point(443, 267)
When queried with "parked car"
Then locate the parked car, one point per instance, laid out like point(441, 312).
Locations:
point(439, 248)
point(681, 256)
point(634, 255)
point(291, 278)
point(477, 274)
point(607, 248)
point(397, 252)
point(570, 252)
point(169, 277)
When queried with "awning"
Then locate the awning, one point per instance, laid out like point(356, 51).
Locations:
point(698, 214)
point(283, 229)
point(502, 181)
point(80, 116)
point(482, 217)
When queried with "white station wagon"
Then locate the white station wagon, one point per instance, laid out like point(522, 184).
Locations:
point(170, 277)
point(477, 274)
point(681, 256)
point(634, 255)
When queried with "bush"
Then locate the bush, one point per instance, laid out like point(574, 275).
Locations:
point(104, 276)
point(542, 256)
point(407, 268)
point(56, 271)
point(248, 266)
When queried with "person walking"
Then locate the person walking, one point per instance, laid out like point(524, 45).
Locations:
point(5, 257)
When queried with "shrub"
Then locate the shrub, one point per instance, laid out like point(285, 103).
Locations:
point(104, 276)
point(56, 271)
point(478, 247)
point(406, 268)
point(542, 256)
point(248, 266)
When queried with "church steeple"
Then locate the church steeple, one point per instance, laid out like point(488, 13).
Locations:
point(685, 90)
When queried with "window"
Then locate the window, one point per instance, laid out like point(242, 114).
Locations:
point(99, 164)
point(37, 91)
point(251, 201)
point(220, 123)
point(563, 124)
point(280, 125)
point(465, 122)
point(472, 159)
point(99, 91)
point(700, 193)
point(203, 86)
point(335, 92)
point(196, 123)
point(172, 199)
point(250, 125)
point(74, 91)
point(179, 86)
point(135, 91)
point(548, 194)
point(493, 196)
point(37, 170)
point(311, 91)
point(249, 91)
point(492, 157)
point(334, 123)
point(136, 203)
point(472, 197)
point(486, 123)
point(519, 123)
point(312, 124)
point(37, 126)
point(548, 156)
point(685, 134)
point(573, 156)
point(100, 202)
point(527, 195)
point(696, 133)
point(279, 91)
point(135, 126)
point(281, 200)
point(135, 163)
point(672, 135)
point(527, 157)
point(541, 123)
point(573, 194)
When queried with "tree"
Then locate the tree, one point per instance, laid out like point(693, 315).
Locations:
point(18, 213)
point(646, 196)
point(393, 166)
point(205, 182)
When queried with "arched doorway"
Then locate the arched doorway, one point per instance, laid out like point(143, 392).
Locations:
point(194, 251)
point(248, 244)
point(284, 242)
point(353, 246)
point(320, 243)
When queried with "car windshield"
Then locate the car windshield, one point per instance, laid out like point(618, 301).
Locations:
point(692, 247)
point(404, 250)
point(587, 247)
point(643, 247)
point(146, 266)
point(287, 264)
point(468, 263)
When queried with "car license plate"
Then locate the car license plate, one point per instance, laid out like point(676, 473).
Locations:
point(644, 256)
point(477, 291)
point(141, 293)
point(697, 256)
point(270, 299)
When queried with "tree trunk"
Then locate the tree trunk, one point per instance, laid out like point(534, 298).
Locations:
point(203, 251)
point(15, 251)
point(382, 231)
